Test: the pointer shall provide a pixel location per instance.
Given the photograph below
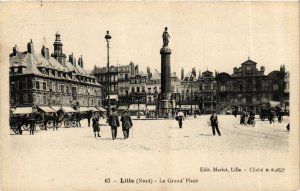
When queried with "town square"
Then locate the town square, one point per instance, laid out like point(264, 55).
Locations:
point(149, 96)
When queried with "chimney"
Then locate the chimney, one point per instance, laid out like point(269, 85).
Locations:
point(30, 47)
point(71, 58)
point(45, 52)
point(262, 68)
point(81, 62)
point(15, 50)
point(182, 73)
point(235, 70)
point(131, 68)
point(136, 69)
point(194, 72)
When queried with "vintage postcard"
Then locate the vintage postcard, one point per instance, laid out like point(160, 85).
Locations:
point(149, 96)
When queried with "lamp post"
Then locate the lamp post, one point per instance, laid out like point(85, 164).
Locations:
point(196, 99)
point(156, 102)
point(108, 37)
point(138, 114)
point(191, 99)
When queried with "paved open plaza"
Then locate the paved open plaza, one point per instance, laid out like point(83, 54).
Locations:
point(73, 158)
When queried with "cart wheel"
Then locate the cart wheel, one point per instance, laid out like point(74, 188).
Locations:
point(41, 126)
point(73, 123)
point(67, 124)
point(58, 124)
point(25, 127)
point(49, 124)
point(16, 130)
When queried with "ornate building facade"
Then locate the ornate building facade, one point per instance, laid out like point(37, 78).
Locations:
point(36, 78)
point(248, 86)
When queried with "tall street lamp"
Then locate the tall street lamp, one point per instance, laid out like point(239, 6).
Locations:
point(108, 37)
point(191, 99)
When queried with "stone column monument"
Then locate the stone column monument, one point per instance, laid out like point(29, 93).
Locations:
point(166, 105)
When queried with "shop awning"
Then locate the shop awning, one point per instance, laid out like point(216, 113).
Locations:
point(56, 108)
point(123, 107)
point(101, 109)
point(22, 110)
point(83, 109)
point(45, 109)
point(274, 103)
point(188, 106)
point(135, 107)
point(112, 97)
point(151, 107)
point(68, 109)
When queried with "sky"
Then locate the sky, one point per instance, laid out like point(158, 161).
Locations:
point(213, 36)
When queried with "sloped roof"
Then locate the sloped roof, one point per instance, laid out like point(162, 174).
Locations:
point(31, 63)
point(155, 76)
point(190, 74)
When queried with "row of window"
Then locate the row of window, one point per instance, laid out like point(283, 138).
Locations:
point(249, 87)
point(113, 78)
point(52, 86)
point(44, 99)
point(65, 75)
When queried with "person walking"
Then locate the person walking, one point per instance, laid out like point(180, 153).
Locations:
point(271, 116)
point(214, 123)
point(78, 119)
point(179, 118)
point(279, 114)
point(89, 116)
point(96, 126)
point(251, 118)
point(243, 118)
point(19, 123)
point(55, 121)
point(114, 123)
point(126, 124)
point(31, 125)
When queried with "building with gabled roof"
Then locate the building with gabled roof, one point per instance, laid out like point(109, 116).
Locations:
point(36, 78)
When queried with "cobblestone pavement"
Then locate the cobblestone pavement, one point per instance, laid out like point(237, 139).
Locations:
point(72, 158)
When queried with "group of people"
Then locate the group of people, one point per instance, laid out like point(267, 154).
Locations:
point(114, 123)
point(277, 112)
point(213, 121)
point(247, 118)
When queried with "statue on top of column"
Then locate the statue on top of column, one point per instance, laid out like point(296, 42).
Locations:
point(166, 37)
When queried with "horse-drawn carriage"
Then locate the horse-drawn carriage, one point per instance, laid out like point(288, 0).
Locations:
point(20, 119)
point(44, 117)
point(47, 117)
point(265, 108)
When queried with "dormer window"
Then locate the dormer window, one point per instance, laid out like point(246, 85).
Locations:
point(44, 71)
point(20, 70)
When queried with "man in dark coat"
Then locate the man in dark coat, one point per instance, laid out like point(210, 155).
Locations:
point(279, 114)
point(89, 116)
point(243, 117)
point(19, 123)
point(31, 125)
point(113, 123)
point(96, 127)
point(179, 118)
point(78, 119)
point(251, 118)
point(55, 121)
point(126, 124)
point(214, 123)
point(271, 116)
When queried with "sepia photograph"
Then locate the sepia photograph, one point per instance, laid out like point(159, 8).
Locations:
point(149, 96)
